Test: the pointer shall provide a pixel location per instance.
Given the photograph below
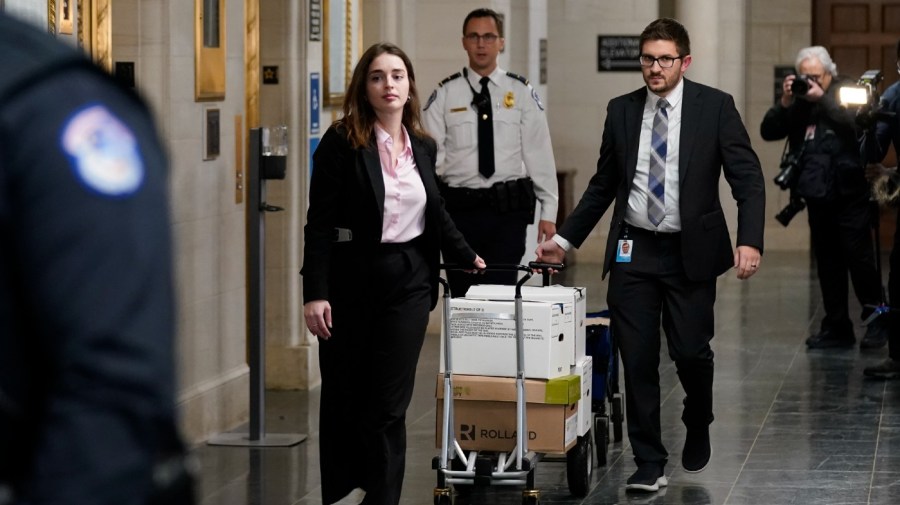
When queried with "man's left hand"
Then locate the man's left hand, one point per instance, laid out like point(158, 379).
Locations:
point(746, 261)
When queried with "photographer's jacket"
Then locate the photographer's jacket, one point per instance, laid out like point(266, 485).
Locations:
point(827, 134)
point(86, 301)
point(887, 129)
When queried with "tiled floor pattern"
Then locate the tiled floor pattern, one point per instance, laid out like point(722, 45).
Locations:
point(792, 426)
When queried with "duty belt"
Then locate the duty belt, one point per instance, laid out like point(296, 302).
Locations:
point(504, 197)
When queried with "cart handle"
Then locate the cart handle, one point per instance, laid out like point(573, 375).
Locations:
point(533, 266)
point(546, 269)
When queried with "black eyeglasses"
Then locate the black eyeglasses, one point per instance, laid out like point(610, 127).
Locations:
point(488, 38)
point(664, 61)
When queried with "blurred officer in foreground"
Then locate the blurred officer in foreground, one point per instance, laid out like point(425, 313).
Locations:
point(832, 181)
point(87, 411)
point(494, 156)
point(887, 131)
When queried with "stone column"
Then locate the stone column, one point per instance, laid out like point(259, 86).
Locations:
point(701, 18)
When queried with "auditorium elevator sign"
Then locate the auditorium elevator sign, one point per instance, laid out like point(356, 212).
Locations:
point(618, 53)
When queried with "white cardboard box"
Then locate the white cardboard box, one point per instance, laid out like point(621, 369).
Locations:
point(585, 369)
point(573, 300)
point(483, 339)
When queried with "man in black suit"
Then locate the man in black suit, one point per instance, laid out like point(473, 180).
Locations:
point(661, 158)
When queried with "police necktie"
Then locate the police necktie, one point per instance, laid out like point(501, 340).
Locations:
point(656, 196)
point(485, 131)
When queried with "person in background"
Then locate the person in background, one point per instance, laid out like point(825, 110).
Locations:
point(494, 154)
point(376, 228)
point(663, 151)
point(887, 131)
point(87, 322)
point(832, 182)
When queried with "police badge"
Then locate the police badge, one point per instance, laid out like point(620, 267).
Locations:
point(509, 101)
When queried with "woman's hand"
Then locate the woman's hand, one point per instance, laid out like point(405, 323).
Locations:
point(479, 265)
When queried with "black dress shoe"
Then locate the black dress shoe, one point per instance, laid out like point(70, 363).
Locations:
point(826, 339)
point(876, 334)
point(648, 478)
point(887, 369)
point(697, 450)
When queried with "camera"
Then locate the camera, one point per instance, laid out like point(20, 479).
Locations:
point(790, 169)
point(785, 215)
point(800, 86)
point(864, 98)
point(790, 166)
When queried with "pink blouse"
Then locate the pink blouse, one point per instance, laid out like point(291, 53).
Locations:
point(404, 193)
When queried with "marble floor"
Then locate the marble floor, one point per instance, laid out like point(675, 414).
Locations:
point(793, 426)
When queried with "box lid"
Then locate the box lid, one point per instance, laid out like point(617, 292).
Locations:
point(563, 390)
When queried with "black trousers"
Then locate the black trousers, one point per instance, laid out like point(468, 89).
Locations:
point(497, 238)
point(651, 290)
point(894, 295)
point(841, 233)
point(368, 373)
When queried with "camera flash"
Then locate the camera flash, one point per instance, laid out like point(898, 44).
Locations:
point(853, 95)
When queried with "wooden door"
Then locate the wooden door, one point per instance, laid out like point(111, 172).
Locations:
point(862, 35)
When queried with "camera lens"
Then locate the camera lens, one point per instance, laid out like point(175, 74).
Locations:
point(800, 86)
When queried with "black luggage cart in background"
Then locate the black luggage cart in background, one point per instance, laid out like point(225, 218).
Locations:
point(601, 346)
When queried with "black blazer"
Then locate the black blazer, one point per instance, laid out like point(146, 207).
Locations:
point(713, 138)
point(347, 191)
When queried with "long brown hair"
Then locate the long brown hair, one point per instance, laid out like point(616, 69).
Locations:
point(359, 116)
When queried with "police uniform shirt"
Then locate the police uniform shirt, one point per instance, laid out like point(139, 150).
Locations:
point(86, 294)
point(521, 136)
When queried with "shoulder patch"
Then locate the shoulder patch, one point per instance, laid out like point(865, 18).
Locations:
point(536, 98)
point(450, 78)
point(430, 100)
point(104, 152)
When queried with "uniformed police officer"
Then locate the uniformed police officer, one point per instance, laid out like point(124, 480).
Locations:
point(494, 154)
point(87, 410)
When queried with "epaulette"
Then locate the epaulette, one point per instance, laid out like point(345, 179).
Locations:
point(519, 78)
point(448, 79)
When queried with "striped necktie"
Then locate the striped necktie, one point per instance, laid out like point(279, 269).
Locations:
point(656, 196)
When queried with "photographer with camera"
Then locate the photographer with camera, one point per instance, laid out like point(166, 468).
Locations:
point(830, 178)
point(887, 131)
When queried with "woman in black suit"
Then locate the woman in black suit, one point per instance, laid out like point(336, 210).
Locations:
point(376, 228)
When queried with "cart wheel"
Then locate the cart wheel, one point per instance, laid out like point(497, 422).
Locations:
point(460, 489)
point(579, 466)
point(442, 496)
point(601, 438)
point(617, 417)
point(531, 497)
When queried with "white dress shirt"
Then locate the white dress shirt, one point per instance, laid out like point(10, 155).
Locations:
point(636, 213)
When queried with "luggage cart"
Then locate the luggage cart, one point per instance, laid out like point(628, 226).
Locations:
point(480, 468)
point(601, 345)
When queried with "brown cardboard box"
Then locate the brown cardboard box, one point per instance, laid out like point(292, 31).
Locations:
point(491, 426)
point(485, 413)
point(560, 391)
